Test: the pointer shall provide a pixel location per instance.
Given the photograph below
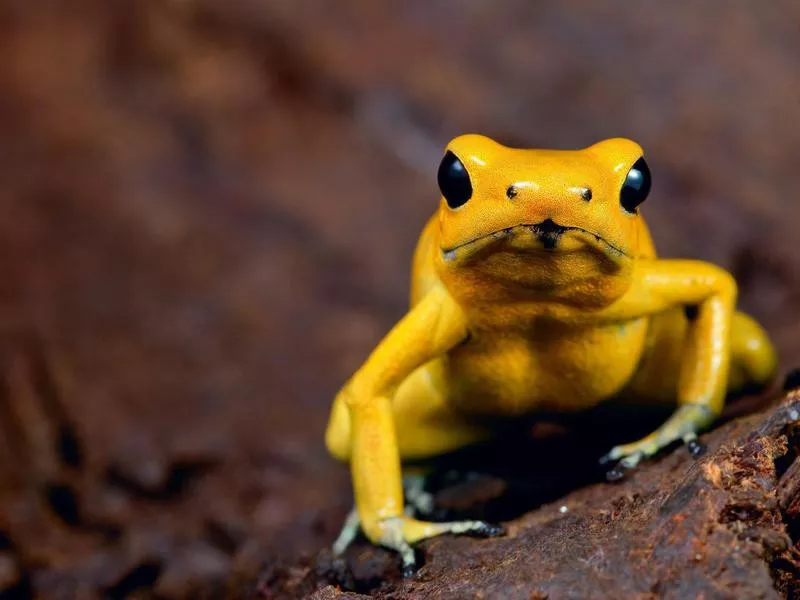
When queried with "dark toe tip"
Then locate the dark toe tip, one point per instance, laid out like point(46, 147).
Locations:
point(490, 530)
point(792, 380)
point(617, 472)
point(695, 448)
point(408, 571)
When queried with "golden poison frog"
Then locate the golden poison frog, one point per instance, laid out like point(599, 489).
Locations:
point(536, 288)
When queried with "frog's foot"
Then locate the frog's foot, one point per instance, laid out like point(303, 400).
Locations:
point(418, 502)
point(682, 425)
point(400, 533)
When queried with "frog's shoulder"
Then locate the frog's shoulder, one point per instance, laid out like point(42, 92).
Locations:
point(645, 248)
point(423, 271)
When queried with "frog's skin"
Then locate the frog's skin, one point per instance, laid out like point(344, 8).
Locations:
point(541, 291)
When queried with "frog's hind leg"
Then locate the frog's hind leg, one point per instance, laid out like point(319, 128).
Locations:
point(753, 364)
point(754, 361)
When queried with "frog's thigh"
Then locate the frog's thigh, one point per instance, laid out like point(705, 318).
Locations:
point(753, 359)
point(426, 425)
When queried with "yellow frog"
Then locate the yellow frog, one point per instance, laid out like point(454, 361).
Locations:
point(536, 287)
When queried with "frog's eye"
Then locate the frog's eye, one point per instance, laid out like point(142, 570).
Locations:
point(454, 181)
point(635, 187)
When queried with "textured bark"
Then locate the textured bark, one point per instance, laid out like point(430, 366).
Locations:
point(721, 526)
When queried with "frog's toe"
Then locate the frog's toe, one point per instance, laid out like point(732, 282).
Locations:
point(629, 454)
point(489, 530)
point(399, 533)
point(414, 531)
point(408, 570)
point(349, 532)
point(681, 427)
point(695, 448)
point(624, 465)
point(419, 501)
point(394, 537)
point(609, 457)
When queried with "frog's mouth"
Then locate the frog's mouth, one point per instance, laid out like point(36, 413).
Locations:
point(546, 235)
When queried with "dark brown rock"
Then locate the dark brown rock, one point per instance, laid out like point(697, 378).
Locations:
point(677, 527)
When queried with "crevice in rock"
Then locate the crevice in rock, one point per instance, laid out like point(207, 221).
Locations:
point(142, 577)
point(67, 444)
point(792, 380)
point(35, 426)
point(784, 563)
point(69, 448)
point(362, 573)
point(782, 463)
point(742, 512)
point(22, 590)
point(181, 475)
point(222, 537)
point(15, 583)
point(63, 501)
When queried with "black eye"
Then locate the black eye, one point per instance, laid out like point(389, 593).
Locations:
point(454, 181)
point(636, 186)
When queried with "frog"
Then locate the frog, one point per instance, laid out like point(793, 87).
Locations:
point(536, 288)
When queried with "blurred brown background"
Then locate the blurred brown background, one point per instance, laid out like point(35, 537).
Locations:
point(208, 211)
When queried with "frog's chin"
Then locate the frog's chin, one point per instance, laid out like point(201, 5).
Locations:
point(544, 237)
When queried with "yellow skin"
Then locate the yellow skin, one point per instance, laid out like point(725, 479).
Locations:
point(533, 296)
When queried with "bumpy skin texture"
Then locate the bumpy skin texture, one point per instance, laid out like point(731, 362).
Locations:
point(537, 296)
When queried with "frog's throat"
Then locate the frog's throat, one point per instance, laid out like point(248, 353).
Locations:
point(547, 232)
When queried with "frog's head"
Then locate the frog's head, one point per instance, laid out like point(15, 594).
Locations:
point(541, 218)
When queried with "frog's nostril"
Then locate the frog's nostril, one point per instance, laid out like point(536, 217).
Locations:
point(586, 193)
point(511, 192)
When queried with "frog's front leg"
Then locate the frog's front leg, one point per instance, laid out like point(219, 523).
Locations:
point(702, 383)
point(433, 327)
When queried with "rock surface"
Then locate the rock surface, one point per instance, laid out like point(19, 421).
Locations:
point(724, 525)
point(208, 212)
